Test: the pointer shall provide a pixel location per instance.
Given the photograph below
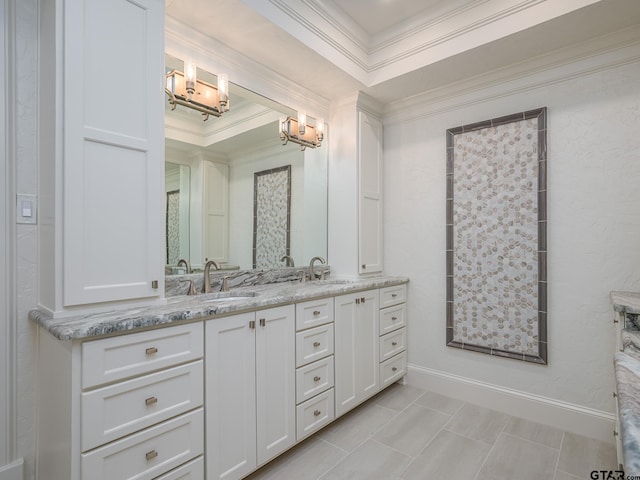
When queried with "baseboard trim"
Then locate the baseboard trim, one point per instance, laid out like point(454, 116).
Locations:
point(566, 416)
point(13, 471)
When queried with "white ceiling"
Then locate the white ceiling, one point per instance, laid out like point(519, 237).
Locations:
point(393, 49)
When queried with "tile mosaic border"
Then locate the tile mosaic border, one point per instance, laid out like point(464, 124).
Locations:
point(263, 247)
point(539, 356)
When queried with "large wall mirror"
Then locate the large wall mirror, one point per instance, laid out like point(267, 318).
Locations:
point(210, 182)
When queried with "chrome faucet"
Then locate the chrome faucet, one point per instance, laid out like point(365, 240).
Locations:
point(289, 261)
point(206, 287)
point(186, 264)
point(312, 274)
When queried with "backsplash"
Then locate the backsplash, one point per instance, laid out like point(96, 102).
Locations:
point(176, 285)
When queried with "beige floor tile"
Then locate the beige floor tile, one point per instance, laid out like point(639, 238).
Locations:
point(516, 458)
point(356, 426)
point(478, 423)
point(370, 461)
point(580, 455)
point(307, 461)
point(565, 476)
point(412, 429)
point(449, 456)
point(536, 432)
point(398, 396)
point(441, 403)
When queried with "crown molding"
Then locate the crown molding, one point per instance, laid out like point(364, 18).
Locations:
point(606, 52)
point(420, 41)
point(183, 42)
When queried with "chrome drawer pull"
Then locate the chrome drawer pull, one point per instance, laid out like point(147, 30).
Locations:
point(394, 295)
point(151, 455)
point(316, 344)
point(151, 350)
point(151, 401)
point(393, 344)
point(394, 369)
point(316, 413)
point(316, 313)
point(252, 324)
point(263, 322)
point(393, 319)
point(316, 378)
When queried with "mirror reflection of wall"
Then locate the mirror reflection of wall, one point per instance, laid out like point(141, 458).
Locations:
point(222, 155)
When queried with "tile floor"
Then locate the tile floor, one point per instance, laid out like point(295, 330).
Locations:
point(406, 433)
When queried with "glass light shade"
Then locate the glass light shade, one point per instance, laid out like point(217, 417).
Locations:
point(302, 122)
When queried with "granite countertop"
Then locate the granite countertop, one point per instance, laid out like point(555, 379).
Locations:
point(626, 302)
point(202, 306)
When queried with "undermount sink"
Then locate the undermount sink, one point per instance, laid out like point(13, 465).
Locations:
point(225, 296)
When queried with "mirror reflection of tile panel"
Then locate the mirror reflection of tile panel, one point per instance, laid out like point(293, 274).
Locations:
point(271, 216)
point(496, 237)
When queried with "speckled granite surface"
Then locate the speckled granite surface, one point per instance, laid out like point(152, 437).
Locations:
point(627, 369)
point(184, 308)
point(627, 302)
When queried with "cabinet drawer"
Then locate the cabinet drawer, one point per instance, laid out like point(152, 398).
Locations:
point(117, 410)
point(393, 318)
point(315, 414)
point(116, 358)
point(393, 343)
point(393, 369)
point(314, 344)
point(393, 295)
point(314, 378)
point(314, 313)
point(193, 470)
point(150, 453)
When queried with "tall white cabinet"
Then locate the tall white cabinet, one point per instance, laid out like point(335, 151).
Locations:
point(101, 152)
point(369, 193)
point(250, 390)
point(355, 214)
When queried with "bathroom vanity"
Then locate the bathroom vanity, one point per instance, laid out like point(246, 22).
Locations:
point(214, 385)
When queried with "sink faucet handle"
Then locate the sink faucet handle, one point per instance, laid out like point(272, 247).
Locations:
point(192, 286)
point(303, 276)
point(225, 284)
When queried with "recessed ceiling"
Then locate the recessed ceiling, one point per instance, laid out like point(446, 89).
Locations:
point(392, 49)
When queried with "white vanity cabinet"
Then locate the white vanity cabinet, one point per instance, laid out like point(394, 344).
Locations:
point(393, 334)
point(250, 390)
point(315, 366)
point(102, 150)
point(357, 347)
point(128, 406)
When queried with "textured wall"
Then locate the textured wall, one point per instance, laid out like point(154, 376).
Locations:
point(24, 47)
point(593, 233)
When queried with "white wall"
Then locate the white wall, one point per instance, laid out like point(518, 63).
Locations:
point(593, 211)
point(22, 43)
point(5, 279)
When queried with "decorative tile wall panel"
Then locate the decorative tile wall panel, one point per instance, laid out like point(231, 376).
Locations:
point(496, 236)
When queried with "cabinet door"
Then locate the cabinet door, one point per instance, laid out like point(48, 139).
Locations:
point(216, 211)
point(356, 349)
point(369, 194)
point(275, 381)
point(230, 396)
point(113, 151)
point(367, 345)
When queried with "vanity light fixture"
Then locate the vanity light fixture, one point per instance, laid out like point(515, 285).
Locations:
point(300, 132)
point(187, 90)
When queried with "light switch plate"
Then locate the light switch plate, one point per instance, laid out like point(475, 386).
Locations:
point(26, 209)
